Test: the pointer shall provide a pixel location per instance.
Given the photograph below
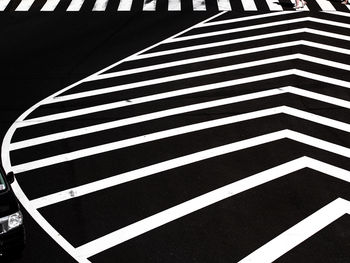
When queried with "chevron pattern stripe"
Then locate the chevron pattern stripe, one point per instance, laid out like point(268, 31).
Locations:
point(258, 104)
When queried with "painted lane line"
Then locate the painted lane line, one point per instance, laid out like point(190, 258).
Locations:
point(199, 5)
point(274, 5)
point(259, 26)
point(75, 5)
point(145, 225)
point(170, 112)
point(149, 5)
point(4, 4)
point(45, 225)
point(174, 5)
point(249, 5)
point(224, 55)
point(125, 5)
point(24, 5)
point(188, 159)
point(299, 232)
point(240, 40)
point(95, 150)
point(50, 5)
point(224, 5)
point(144, 117)
point(100, 5)
point(325, 5)
point(114, 105)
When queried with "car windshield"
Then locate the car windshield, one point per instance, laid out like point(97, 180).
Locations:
point(2, 182)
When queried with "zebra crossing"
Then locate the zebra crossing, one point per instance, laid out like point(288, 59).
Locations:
point(169, 5)
point(229, 140)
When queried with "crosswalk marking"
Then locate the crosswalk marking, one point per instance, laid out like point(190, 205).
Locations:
point(199, 5)
point(325, 5)
point(149, 5)
point(75, 5)
point(124, 5)
point(3, 4)
point(224, 5)
point(249, 5)
point(50, 5)
point(100, 5)
point(274, 5)
point(174, 5)
point(24, 5)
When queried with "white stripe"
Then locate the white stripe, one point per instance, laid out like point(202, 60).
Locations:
point(274, 5)
point(224, 5)
point(149, 5)
point(249, 5)
point(119, 179)
point(143, 118)
point(25, 5)
point(180, 131)
point(50, 5)
point(99, 108)
point(223, 55)
point(300, 232)
point(125, 5)
point(45, 225)
point(241, 40)
point(100, 5)
point(259, 26)
point(75, 5)
point(199, 5)
point(165, 113)
point(326, 5)
point(4, 4)
point(143, 226)
point(174, 5)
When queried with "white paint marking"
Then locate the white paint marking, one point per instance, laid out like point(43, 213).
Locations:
point(300, 232)
point(224, 5)
point(125, 5)
point(184, 130)
point(100, 5)
point(179, 110)
point(149, 5)
point(174, 5)
point(4, 4)
point(249, 5)
point(24, 5)
point(258, 26)
point(199, 156)
point(50, 5)
point(144, 117)
point(224, 55)
point(325, 5)
point(274, 5)
point(75, 5)
point(199, 5)
point(241, 40)
point(143, 226)
point(45, 225)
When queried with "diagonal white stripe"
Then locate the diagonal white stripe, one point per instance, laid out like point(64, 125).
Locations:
point(100, 5)
point(4, 4)
point(274, 5)
point(125, 5)
point(300, 232)
point(50, 5)
point(199, 5)
point(24, 5)
point(224, 5)
point(174, 5)
point(75, 5)
point(325, 5)
point(143, 226)
point(149, 5)
point(249, 5)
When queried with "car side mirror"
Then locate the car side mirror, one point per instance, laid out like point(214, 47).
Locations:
point(10, 177)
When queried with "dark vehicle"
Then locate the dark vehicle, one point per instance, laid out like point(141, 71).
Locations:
point(12, 233)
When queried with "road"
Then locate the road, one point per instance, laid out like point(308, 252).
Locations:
point(191, 137)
